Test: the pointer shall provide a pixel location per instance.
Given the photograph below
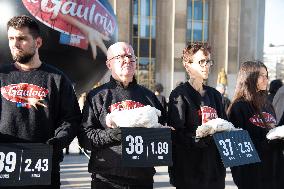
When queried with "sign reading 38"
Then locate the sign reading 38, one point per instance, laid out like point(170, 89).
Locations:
point(144, 147)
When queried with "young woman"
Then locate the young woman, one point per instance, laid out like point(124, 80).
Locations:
point(252, 111)
point(195, 164)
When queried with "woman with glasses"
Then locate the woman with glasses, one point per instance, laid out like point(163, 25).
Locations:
point(251, 110)
point(196, 162)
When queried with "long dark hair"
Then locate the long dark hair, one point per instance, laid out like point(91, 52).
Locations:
point(246, 88)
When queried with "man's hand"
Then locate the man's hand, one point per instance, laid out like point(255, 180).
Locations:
point(55, 143)
point(116, 134)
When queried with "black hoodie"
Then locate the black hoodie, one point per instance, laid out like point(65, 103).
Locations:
point(195, 164)
point(36, 106)
point(269, 173)
point(105, 142)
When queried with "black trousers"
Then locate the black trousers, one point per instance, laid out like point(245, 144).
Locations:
point(100, 184)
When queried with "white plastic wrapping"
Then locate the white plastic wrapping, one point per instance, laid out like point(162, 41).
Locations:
point(276, 133)
point(146, 116)
point(214, 126)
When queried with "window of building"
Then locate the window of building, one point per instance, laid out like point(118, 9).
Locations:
point(197, 20)
point(143, 40)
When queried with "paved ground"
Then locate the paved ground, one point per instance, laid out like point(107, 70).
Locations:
point(74, 173)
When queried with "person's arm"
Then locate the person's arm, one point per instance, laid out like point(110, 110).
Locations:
point(68, 118)
point(236, 116)
point(281, 121)
point(92, 134)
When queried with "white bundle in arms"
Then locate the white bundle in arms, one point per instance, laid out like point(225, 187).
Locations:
point(276, 133)
point(214, 126)
point(146, 116)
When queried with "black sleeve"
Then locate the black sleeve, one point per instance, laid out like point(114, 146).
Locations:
point(177, 119)
point(220, 106)
point(236, 116)
point(69, 117)
point(92, 133)
point(281, 121)
point(159, 106)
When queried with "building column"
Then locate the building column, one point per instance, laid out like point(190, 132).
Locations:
point(123, 18)
point(180, 42)
point(233, 45)
point(165, 44)
point(218, 37)
point(251, 30)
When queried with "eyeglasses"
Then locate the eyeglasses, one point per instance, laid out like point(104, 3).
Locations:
point(204, 63)
point(131, 57)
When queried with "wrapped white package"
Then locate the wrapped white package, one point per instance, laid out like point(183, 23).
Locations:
point(146, 116)
point(214, 126)
point(276, 133)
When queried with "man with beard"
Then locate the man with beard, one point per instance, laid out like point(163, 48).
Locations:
point(38, 103)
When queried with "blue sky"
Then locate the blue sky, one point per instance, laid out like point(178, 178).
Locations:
point(274, 24)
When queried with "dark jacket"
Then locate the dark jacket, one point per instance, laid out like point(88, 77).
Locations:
point(195, 164)
point(105, 142)
point(36, 106)
point(269, 173)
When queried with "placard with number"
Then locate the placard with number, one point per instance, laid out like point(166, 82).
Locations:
point(25, 164)
point(145, 147)
point(236, 148)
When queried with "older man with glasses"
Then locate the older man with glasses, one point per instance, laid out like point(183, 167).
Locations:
point(104, 139)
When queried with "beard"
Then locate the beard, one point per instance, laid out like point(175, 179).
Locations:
point(23, 58)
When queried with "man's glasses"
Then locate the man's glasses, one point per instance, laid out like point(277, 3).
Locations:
point(131, 57)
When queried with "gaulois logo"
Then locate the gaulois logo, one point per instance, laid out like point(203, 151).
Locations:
point(208, 114)
point(269, 119)
point(125, 105)
point(89, 12)
point(24, 94)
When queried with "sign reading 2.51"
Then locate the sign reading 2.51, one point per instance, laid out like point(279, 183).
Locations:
point(145, 147)
point(236, 148)
point(25, 164)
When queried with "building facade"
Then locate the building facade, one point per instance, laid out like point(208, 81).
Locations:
point(160, 29)
point(274, 60)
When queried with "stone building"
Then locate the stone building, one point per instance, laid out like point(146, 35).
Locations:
point(160, 29)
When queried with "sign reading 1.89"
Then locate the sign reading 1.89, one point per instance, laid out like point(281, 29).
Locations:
point(25, 164)
point(236, 148)
point(143, 147)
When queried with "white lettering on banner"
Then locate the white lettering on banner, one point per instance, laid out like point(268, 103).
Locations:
point(75, 9)
point(14, 91)
point(35, 175)
point(4, 176)
point(33, 1)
